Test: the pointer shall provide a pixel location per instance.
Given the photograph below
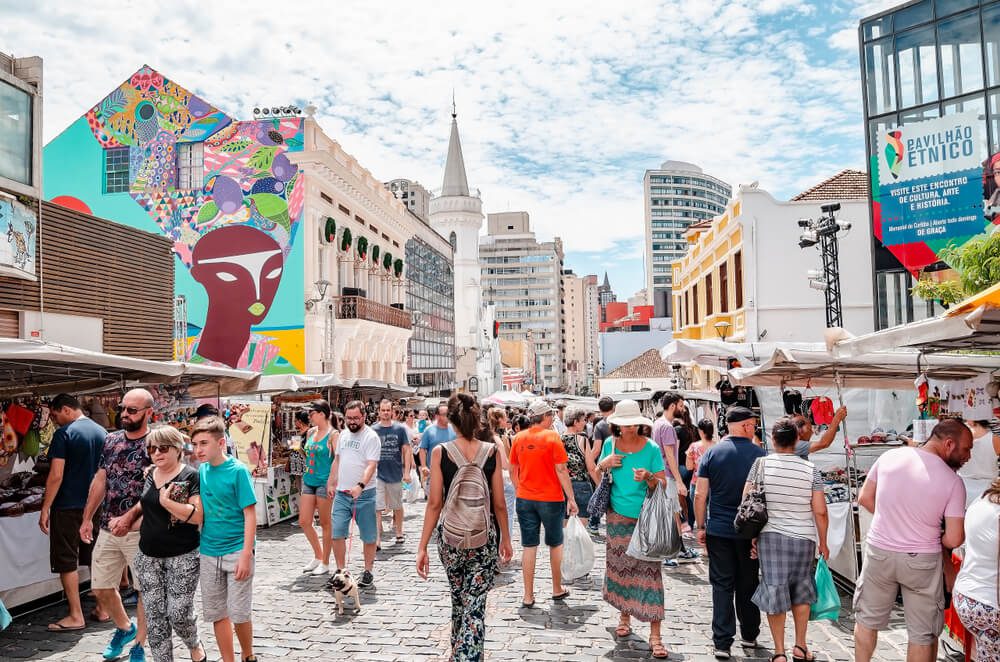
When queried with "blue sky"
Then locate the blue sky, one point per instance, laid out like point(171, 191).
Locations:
point(562, 105)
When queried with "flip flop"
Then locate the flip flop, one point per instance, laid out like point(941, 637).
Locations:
point(93, 616)
point(57, 627)
point(562, 596)
point(528, 605)
point(623, 630)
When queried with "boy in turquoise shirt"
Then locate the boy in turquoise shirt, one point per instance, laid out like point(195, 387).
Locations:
point(227, 540)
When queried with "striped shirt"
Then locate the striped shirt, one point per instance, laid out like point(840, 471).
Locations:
point(789, 483)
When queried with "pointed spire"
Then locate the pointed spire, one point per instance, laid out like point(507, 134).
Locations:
point(606, 285)
point(455, 181)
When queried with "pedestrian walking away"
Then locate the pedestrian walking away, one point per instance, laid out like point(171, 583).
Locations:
point(544, 496)
point(75, 455)
point(228, 537)
point(632, 586)
point(319, 447)
point(903, 552)
point(116, 487)
point(467, 497)
point(732, 569)
point(168, 562)
point(352, 482)
point(796, 528)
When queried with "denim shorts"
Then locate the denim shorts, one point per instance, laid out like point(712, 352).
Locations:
point(318, 491)
point(363, 511)
point(532, 515)
point(582, 491)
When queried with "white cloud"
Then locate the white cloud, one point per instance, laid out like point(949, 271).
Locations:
point(562, 105)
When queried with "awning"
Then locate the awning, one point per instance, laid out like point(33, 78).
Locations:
point(970, 329)
point(712, 354)
point(505, 398)
point(885, 370)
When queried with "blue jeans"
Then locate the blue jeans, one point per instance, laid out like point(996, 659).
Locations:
point(533, 515)
point(582, 491)
point(361, 509)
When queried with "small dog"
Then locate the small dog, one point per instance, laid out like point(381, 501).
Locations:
point(344, 585)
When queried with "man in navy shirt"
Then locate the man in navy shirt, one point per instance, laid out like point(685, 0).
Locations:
point(722, 475)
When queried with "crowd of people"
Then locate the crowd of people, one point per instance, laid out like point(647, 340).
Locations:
point(128, 501)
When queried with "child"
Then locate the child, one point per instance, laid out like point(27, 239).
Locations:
point(227, 539)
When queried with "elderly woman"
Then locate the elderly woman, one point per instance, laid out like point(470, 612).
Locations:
point(581, 460)
point(633, 587)
point(796, 523)
point(167, 563)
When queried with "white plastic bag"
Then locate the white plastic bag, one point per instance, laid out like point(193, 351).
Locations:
point(578, 550)
point(411, 492)
point(656, 536)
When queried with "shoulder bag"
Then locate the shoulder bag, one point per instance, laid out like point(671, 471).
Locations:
point(751, 516)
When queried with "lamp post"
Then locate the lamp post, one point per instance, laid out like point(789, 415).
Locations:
point(722, 328)
point(322, 286)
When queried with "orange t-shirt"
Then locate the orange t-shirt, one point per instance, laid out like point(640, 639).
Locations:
point(536, 452)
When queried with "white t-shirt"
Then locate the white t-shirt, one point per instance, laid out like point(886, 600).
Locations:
point(978, 577)
point(354, 451)
point(789, 483)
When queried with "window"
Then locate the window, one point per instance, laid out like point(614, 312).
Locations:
point(917, 68)
point(453, 240)
point(694, 301)
point(709, 292)
point(738, 268)
point(991, 32)
point(961, 57)
point(116, 170)
point(880, 76)
point(15, 134)
point(190, 165)
point(723, 288)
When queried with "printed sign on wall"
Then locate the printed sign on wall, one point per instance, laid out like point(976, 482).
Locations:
point(250, 430)
point(17, 254)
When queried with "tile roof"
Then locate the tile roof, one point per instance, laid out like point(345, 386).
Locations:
point(845, 185)
point(647, 364)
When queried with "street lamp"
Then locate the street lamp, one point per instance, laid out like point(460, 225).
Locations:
point(722, 328)
point(322, 285)
point(823, 231)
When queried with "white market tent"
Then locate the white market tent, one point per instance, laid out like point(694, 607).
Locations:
point(714, 353)
point(978, 328)
point(507, 398)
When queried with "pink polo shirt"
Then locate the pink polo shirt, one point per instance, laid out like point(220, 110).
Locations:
point(914, 491)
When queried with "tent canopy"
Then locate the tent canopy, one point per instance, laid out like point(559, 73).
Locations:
point(712, 354)
point(886, 370)
point(504, 398)
point(965, 328)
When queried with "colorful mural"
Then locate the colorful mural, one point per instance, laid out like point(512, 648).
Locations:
point(226, 194)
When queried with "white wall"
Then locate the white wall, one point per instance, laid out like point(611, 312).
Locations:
point(73, 330)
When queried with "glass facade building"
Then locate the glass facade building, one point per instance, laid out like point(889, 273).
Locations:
point(920, 61)
point(431, 300)
point(676, 195)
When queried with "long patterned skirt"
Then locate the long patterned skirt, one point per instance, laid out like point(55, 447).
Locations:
point(631, 586)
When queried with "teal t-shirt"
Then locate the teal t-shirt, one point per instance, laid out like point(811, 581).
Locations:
point(627, 493)
point(225, 491)
point(318, 460)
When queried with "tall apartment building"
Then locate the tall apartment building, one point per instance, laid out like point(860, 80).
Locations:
point(413, 195)
point(580, 314)
point(523, 276)
point(675, 196)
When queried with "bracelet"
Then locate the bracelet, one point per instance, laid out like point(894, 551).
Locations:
point(194, 509)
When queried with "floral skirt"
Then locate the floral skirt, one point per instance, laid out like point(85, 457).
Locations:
point(631, 586)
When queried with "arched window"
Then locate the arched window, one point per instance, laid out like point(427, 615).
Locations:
point(453, 240)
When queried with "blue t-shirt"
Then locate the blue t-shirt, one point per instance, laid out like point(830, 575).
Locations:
point(433, 436)
point(80, 444)
point(726, 465)
point(390, 464)
point(627, 493)
point(225, 491)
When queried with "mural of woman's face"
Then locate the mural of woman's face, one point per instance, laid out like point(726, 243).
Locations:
point(240, 268)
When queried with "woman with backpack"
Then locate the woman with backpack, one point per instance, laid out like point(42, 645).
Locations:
point(466, 495)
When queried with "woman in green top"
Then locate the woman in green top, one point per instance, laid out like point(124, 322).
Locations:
point(633, 587)
point(319, 446)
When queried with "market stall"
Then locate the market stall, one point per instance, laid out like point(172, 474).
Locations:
point(29, 371)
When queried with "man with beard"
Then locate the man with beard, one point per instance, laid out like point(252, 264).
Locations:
point(115, 488)
point(911, 491)
point(352, 480)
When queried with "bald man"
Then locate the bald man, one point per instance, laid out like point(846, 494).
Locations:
point(115, 488)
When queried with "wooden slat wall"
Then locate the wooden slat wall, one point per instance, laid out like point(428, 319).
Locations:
point(98, 268)
point(10, 324)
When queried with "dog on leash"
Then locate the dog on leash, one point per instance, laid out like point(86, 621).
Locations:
point(343, 585)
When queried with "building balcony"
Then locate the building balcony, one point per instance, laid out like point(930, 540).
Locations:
point(363, 308)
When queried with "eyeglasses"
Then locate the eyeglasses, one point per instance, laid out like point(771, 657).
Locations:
point(153, 448)
point(132, 411)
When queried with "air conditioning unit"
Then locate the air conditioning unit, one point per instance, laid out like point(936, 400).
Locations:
point(353, 292)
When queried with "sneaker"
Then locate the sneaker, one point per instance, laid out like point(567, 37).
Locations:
point(367, 580)
point(321, 569)
point(747, 643)
point(722, 654)
point(137, 654)
point(689, 554)
point(118, 642)
point(312, 565)
point(670, 563)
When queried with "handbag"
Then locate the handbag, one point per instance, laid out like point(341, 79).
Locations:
point(751, 516)
point(600, 500)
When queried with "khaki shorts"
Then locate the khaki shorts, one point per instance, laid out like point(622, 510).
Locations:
point(111, 555)
point(388, 496)
point(920, 578)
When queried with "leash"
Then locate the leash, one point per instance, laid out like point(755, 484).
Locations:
point(350, 527)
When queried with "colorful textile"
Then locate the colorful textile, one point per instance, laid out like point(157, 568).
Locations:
point(123, 460)
point(318, 460)
point(576, 463)
point(631, 586)
point(168, 586)
point(471, 573)
point(983, 622)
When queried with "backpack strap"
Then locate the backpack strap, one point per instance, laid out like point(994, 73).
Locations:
point(457, 458)
point(483, 454)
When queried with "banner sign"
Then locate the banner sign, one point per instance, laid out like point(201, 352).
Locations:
point(930, 179)
point(250, 430)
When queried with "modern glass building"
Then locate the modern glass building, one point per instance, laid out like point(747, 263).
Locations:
point(921, 61)
point(675, 196)
point(431, 300)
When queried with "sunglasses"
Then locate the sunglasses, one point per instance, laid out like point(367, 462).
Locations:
point(153, 448)
point(132, 411)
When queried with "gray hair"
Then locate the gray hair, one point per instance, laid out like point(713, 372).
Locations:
point(573, 414)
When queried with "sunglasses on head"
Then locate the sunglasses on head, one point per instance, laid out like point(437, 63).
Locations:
point(153, 448)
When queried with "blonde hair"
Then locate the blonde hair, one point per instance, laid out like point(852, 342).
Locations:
point(165, 435)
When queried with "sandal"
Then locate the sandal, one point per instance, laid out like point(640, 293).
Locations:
point(623, 630)
point(657, 649)
point(774, 658)
point(806, 657)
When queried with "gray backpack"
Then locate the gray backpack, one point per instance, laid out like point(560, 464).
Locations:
point(466, 519)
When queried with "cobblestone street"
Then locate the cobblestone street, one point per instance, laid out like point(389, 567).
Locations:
point(404, 618)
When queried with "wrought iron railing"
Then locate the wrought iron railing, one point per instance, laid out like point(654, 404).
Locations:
point(362, 308)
